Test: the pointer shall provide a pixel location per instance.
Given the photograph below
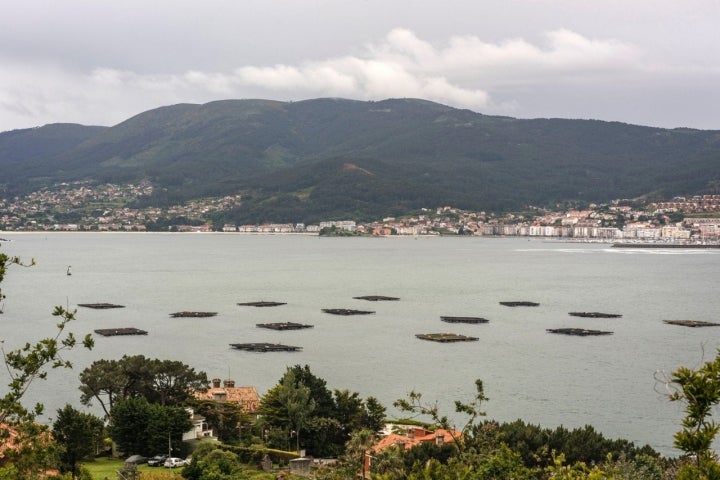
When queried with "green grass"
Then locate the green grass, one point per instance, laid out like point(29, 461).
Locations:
point(104, 467)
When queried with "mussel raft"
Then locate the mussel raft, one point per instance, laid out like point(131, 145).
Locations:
point(193, 314)
point(520, 304)
point(261, 303)
point(112, 332)
point(464, 319)
point(100, 305)
point(582, 332)
point(283, 326)
point(691, 323)
point(595, 315)
point(265, 347)
point(346, 311)
point(445, 337)
point(376, 298)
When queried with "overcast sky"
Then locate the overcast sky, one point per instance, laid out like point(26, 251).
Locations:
point(99, 62)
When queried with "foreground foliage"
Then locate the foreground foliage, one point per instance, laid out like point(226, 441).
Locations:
point(28, 449)
point(147, 400)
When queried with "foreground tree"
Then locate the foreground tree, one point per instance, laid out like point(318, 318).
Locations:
point(166, 382)
point(295, 398)
point(28, 446)
point(140, 427)
point(78, 435)
point(327, 426)
point(700, 390)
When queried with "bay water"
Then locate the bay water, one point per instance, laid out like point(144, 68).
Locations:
point(613, 382)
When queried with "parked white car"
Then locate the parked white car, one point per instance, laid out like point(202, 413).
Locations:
point(173, 462)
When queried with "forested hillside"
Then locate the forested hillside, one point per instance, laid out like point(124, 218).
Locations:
point(334, 158)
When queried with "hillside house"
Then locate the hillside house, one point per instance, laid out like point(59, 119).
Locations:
point(411, 437)
point(246, 397)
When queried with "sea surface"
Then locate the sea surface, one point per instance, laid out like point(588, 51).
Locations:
point(614, 382)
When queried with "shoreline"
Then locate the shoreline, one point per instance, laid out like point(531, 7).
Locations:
point(665, 245)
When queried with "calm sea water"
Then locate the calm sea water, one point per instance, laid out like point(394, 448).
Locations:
point(608, 382)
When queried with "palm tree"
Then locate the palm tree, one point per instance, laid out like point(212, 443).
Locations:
point(356, 449)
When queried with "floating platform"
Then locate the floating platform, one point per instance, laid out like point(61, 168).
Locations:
point(445, 337)
point(262, 304)
point(464, 319)
point(376, 298)
point(265, 347)
point(520, 304)
point(100, 305)
point(193, 314)
point(346, 311)
point(113, 332)
point(692, 323)
point(582, 332)
point(595, 315)
point(283, 326)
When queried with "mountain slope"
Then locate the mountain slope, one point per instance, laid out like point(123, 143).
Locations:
point(339, 157)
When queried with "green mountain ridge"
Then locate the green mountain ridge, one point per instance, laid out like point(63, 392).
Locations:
point(329, 157)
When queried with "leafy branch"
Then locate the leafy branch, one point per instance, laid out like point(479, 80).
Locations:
point(415, 404)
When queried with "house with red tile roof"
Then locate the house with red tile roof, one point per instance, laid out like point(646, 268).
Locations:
point(411, 437)
point(246, 397)
point(416, 435)
point(13, 441)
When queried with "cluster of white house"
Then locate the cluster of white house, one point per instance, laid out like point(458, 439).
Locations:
point(691, 228)
point(632, 231)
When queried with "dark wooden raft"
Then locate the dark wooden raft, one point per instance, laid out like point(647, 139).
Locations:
point(265, 347)
point(346, 311)
point(283, 326)
point(112, 332)
point(376, 298)
point(464, 319)
point(520, 304)
point(595, 315)
point(445, 337)
point(262, 303)
point(100, 305)
point(193, 314)
point(582, 332)
point(692, 323)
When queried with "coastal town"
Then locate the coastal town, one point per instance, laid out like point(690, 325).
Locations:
point(80, 206)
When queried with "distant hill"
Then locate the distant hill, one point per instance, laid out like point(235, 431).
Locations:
point(335, 158)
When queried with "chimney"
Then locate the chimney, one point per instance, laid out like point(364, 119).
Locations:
point(216, 383)
point(229, 383)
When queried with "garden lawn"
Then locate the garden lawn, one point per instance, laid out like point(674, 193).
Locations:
point(106, 468)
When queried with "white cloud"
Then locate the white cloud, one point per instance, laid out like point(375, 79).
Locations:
point(465, 72)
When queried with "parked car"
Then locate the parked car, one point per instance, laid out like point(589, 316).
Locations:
point(173, 462)
point(157, 460)
point(136, 459)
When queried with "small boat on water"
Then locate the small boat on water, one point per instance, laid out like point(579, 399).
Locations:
point(68, 272)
